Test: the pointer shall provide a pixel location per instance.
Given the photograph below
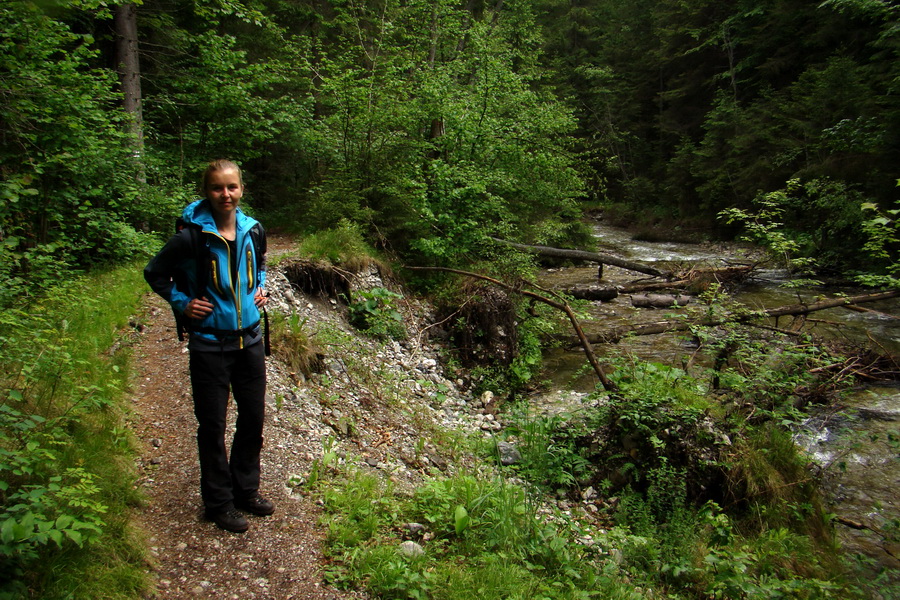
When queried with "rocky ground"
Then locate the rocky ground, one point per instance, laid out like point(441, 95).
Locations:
point(382, 406)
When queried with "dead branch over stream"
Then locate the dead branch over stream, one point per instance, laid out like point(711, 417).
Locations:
point(696, 277)
point(616, 334)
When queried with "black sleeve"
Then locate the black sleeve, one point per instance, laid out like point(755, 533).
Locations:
point(160, 272)
point(262, 248)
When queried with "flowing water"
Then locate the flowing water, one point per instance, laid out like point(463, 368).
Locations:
point(856, 444)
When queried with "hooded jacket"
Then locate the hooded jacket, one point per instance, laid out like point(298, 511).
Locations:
point(231, 284)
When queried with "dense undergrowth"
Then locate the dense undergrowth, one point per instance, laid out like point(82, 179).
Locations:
point(683, 484)
point(66, 481)
point(695, 487)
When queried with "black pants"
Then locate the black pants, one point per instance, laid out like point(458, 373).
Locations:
point(212, 374)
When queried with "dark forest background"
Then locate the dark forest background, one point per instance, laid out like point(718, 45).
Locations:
point(430, 125)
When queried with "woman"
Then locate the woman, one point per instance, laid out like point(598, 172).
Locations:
point(212, 272)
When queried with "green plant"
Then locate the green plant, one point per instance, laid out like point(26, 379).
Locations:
point(375, 313)
point(552, 456)
point(766, 228)
point(293, 344)
point(64, 495)
point(359, 508)
point(882, 230)
point(343, 245)
point(390, 575)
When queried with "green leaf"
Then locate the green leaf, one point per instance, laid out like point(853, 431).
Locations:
point(461, 519)
point(64, 521)
point(74, 535)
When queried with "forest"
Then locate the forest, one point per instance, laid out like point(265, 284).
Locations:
point(428, 129)
point(432, 125)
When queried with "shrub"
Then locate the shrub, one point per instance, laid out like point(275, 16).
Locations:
point(375, 313)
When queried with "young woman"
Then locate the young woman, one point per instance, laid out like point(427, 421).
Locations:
point(212, 272)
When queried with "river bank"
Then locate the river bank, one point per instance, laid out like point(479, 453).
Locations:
point(852, 442)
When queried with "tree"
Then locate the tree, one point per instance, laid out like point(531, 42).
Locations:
point(63, 154)
point(128, 60)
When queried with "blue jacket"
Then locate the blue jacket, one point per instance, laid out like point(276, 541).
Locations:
point(230, 286)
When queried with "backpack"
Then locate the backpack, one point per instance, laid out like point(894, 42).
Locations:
point(202, 259)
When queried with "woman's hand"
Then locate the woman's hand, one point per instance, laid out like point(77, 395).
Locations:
point(198, 308)
point(261, 298)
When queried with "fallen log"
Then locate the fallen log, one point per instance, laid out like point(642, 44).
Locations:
point(636, 286)
point(718, 274)
point(660, 300)
point(863, 309)
point(592, 292)
point(598, 257)
point(616, 334)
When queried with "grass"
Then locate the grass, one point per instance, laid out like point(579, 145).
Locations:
point(485, 539)
point(497, 533)
point(77, 483)
point(342, 245)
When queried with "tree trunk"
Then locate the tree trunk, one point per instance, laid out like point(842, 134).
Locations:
point(659, 300)
point(593, 292)
point(129, 68)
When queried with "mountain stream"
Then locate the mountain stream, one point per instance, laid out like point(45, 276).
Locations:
point(855, 444)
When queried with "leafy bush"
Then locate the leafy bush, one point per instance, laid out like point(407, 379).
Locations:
point(68, 189)
point(62, 487)
point(552, 451)
point(374, 312)
point(882, 229)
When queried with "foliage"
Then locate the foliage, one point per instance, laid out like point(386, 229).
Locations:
point(341, 245)
point(63, 494)
point(486, 537)
point(293, 344)
point(805, 247)
point(764, 228)
point(552, 456)
point(882, 244)
point(68, 190)
point(375, 312)
point(699, 107)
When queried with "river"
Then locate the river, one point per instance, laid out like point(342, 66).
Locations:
point(855, 445)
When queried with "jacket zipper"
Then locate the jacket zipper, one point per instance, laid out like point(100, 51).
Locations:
point(232, 287)
point(250, 278)
point(214, 267)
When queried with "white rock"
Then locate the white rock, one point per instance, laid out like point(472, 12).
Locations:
point(411, 549)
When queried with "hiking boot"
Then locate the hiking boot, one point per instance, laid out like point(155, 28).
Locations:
point(230, 520)
point(257, 505)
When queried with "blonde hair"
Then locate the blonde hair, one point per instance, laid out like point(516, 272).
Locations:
point(219, 164)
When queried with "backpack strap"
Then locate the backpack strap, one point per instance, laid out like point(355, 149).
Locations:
point(200, 253)
point(257, 236)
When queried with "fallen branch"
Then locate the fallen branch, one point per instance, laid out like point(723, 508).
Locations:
point(562, 305)
point(593, 292)
point(615, 335)
point(660, 300)
point(862, 309)
point(629, 288)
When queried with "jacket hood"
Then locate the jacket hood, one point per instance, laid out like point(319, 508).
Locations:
point(199, 213)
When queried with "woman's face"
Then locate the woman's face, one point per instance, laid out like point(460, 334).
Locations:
point(224, 191)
